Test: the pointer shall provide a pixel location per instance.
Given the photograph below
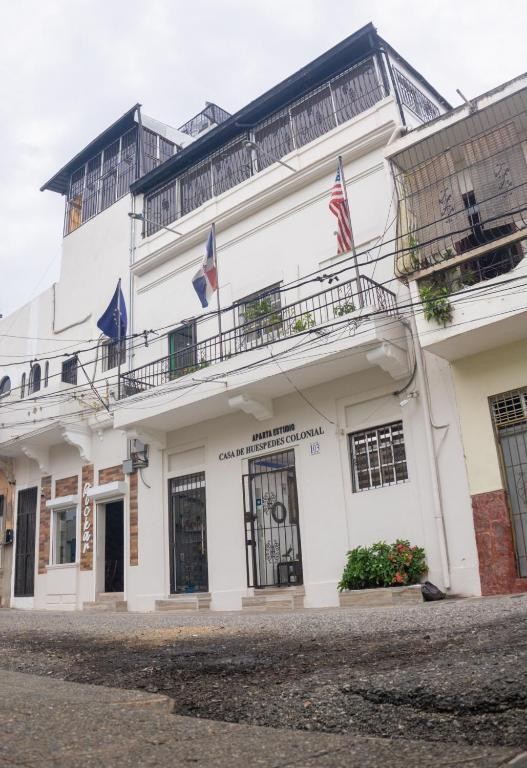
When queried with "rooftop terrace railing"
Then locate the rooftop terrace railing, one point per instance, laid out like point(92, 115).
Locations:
point(317, 112)
point(263, 328)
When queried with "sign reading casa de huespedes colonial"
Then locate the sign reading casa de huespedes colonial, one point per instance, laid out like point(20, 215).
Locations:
point(286, 435)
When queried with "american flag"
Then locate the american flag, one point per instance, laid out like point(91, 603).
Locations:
point(338, 206)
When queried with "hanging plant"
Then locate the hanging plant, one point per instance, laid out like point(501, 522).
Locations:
point(435, 298)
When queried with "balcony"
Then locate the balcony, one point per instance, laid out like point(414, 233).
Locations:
point(311, 341)
point(463, 228)
point(264, 325)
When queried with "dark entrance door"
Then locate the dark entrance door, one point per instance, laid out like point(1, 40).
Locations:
point(188, 534)
point(25, 542)
point(272, 533)
point(513, 442)
point(114, 547)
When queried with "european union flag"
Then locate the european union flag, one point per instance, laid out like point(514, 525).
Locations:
point(113, 322)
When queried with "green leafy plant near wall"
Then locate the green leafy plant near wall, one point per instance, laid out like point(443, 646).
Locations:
point(435, 298)
point(383, 565)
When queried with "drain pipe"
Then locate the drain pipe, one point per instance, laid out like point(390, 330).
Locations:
point(432, 455)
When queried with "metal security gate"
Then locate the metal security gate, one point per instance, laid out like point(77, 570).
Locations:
point(272, 533)
point(25, 542)
point(510, 419)
point(188, 534)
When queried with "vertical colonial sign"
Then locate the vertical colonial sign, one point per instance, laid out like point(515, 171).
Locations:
point(87, 519)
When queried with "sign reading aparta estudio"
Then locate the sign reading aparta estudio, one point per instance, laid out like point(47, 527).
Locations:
point(272, 438)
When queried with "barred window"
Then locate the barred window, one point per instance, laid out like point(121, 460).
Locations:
point(110, 354)
point(260, 316)
point(378, 457)
point(69, 371)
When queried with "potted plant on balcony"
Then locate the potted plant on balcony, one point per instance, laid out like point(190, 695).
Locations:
point(303, 323)
point(344, 309)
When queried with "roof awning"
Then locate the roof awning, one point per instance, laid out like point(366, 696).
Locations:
point(60, 181)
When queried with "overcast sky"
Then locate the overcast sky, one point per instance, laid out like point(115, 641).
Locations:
point(69, 68)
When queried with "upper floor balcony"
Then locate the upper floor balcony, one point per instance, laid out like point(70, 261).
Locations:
point(348, 327)
point(103, 171)
point(463, 226)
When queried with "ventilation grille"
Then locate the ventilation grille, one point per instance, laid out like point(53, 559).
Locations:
point(510, 408)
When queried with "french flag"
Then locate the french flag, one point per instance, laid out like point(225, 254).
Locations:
point(205, 281)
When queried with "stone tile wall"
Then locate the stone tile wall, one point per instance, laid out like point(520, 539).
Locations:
point(67, 486)
point(497, 559)
point(44, 524)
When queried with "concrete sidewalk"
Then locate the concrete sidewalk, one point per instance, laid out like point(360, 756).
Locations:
point(47, 722)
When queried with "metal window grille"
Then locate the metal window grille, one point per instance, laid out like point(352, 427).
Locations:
point(378, 457)
point(231, 166)
point(313, 116)
point(107, 176)
point(69, 371)
point(509, 408)
point(259, 315)
point(464, 187)
point(415, 99)
point(110, 354)
point(188, 533)
point(196, 186)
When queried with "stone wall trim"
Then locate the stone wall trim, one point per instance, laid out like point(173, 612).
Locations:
point(498, 570)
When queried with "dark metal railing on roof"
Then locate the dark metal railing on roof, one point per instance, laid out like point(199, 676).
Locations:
point(208, 117)
point(260, 323)
point(319, 111)
point(106, 177)
point(413, 98)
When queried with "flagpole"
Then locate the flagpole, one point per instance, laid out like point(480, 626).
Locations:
point(119, 339)
point(218, 288)
point(353, 251)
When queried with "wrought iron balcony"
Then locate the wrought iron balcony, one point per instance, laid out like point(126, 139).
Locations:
point(264, 323)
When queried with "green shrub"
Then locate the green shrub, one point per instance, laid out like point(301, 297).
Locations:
point(436, 302)
point(383, 565)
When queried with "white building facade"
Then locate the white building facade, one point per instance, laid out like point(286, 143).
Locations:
point(261, 443)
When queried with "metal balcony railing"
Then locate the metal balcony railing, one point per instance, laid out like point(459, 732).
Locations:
point(264, 325)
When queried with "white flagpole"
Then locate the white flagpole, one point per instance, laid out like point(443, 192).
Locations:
point(353, 251)
point(119, 339)
point(218, 288)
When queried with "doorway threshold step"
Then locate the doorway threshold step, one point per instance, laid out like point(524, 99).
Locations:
point(107, 601)
point(106, 606)
point(275, 599)
point(200, 601)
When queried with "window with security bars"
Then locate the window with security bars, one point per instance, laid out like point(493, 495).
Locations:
point(509, 408)
point(378, 457)
point(259, 315)
point(110, 354)
point(69, 371)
